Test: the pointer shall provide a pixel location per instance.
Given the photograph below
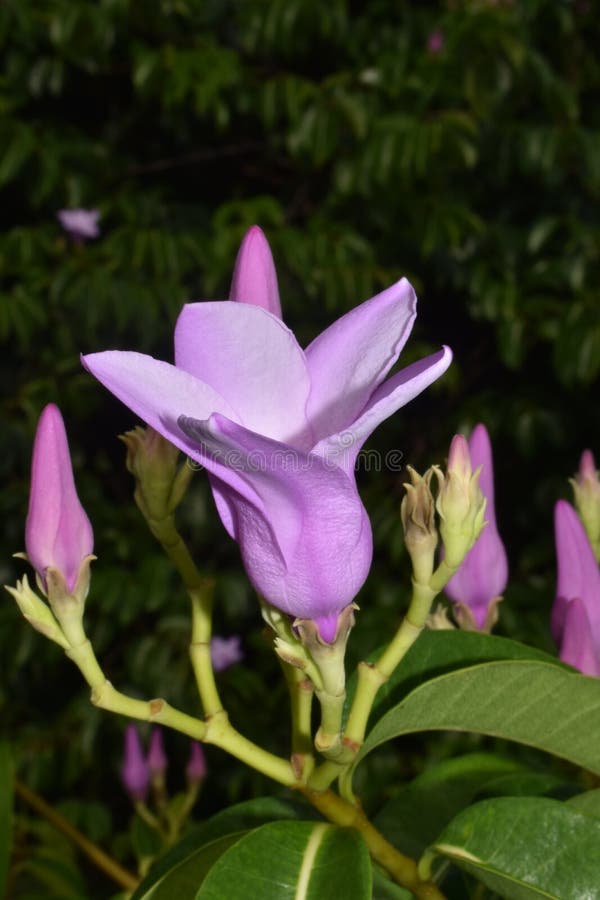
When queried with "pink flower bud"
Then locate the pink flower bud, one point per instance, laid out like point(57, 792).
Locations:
point(482, 576)
point(254, 277)
point(135, 773)
point(157, 758)
point(576, 610)
point(196, 767)
point(57, 532)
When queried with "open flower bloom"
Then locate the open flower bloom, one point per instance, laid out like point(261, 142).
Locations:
point(278, 428)
point(57, 532)
point(576, 610)
point(481, 578)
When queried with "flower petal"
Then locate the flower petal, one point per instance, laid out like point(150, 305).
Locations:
point(577, 645)
point(253, 360)
point(578, 574)
point(348, 360)
point(343, 448)
point(254, 277)
point(158, 392)
point(306, 540)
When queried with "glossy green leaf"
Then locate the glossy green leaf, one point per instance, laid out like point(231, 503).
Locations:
point(292, 861)
point(525, 848)
point(236, 819)
point(295, 860)
point(534, 703)
point(439, 652)
point(6, 811)
point(413, 817)
point(185, 877)
point(588, 802)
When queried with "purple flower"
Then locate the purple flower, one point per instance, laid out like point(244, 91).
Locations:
point(576, 611)
point(435, 41)
point(57, 532)
point(278, 428)
point(225, 652)
point(135, 773)
point(157, 758)
point(80, 224)
point(196, 767)
point(481, 578)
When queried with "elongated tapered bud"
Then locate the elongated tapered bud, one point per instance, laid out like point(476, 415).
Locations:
point(460, 503)
point(135, 773)
point(58, 533)
point(254, 277)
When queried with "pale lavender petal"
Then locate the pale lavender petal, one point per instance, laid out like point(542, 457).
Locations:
point(577, 645)
point(578, 573)
point(348, 360)
point(306, 541)
point(397, 391)
point(158, 392)
point(225, 652)
point(254, 277)
point(58, 532)
point(253, 360)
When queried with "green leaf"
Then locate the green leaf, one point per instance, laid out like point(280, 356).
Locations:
point(526, 848)
point(235, 819)
point(439, 652)
point(412, 819)
point(295, 860)
point(6, 811)
point(588, 802)
point(535, 703)
point(292, 861)
point(185, 877)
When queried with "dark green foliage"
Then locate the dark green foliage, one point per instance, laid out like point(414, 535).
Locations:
point(365, 156)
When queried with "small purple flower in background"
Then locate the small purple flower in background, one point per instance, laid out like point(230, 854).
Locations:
point(196, 768)
point(477, 587)
point(58, 533)
point(435, 41)
point(279, 428)
point(135, 773)
point(80, 224)
point(225, 652)
point(576, 611)
point(157, 758)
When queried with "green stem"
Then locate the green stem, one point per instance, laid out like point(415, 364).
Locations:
point(202, 601)
point(221, 733)
point(402, 868)
point(301, 691)
point(95, 854)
